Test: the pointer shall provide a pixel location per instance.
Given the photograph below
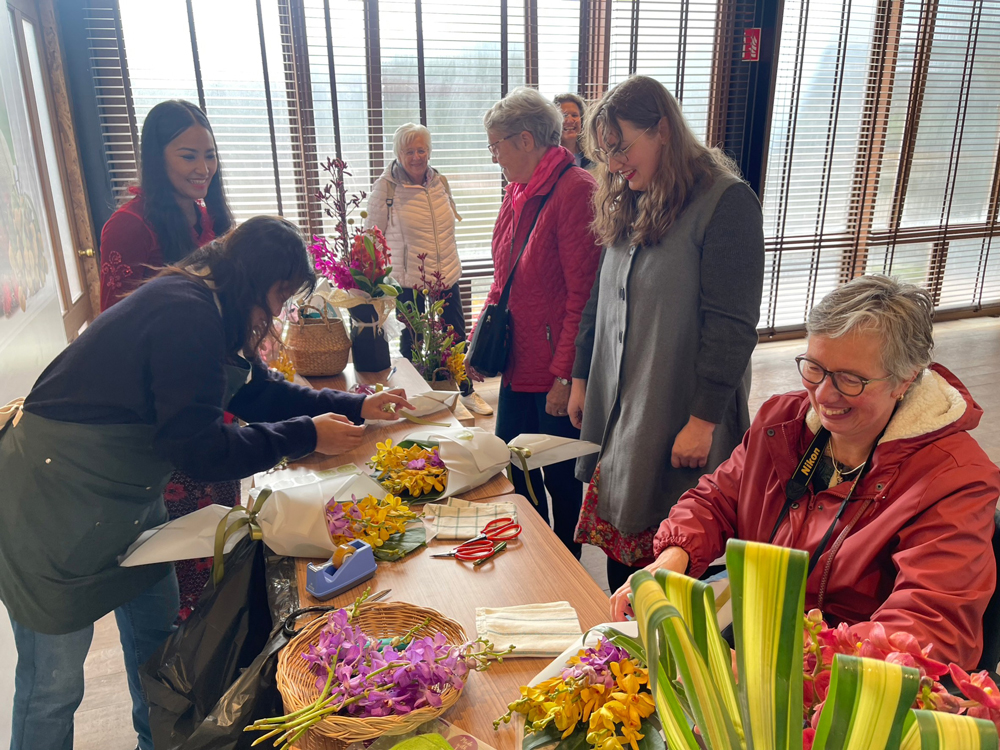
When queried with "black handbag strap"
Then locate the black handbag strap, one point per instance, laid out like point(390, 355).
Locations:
point(505, 295)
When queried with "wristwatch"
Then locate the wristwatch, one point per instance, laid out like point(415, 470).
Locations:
point(562, 381)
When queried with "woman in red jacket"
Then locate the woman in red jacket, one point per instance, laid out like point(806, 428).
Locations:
point(547, 204)
point(179, 206)
point(870, 469)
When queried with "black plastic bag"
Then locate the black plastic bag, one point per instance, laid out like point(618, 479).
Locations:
point(216, 674)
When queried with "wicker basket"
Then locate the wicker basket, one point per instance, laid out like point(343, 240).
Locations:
point(297, 684)
point(442, 380)
point(320, 346)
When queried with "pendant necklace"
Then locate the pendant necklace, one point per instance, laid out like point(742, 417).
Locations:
point(839, 475)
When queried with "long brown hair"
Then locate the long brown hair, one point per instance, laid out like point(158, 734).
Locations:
point(643, 218)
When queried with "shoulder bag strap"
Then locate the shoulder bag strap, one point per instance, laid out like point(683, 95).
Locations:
point(505, 295)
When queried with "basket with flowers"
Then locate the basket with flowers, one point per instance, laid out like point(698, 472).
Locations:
point(369, 670)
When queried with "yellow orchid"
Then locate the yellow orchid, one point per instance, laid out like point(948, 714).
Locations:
point(611, 711)
point(456, 363)
point(415, 470)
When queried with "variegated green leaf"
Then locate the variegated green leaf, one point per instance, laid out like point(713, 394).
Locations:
point(695, 600)
point(768, 594)
point(661, 628)
point(867, 704)
point(935, 730)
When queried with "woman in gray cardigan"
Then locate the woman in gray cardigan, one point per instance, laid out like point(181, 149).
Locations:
point(662, 370)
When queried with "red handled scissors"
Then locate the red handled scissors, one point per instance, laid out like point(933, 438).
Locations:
point(497, 532)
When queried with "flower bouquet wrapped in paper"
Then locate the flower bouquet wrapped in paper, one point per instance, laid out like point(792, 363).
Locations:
point(297, 514)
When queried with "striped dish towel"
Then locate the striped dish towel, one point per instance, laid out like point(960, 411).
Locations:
point(461, 519)
point(533, 629)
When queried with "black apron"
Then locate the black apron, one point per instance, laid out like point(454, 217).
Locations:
point(75, 497)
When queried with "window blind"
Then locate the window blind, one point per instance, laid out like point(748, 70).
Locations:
point(883, 151)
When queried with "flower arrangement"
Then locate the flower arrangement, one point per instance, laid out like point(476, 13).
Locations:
point(602, 696)
point(822, 643)
point(383, 524)
point(437, 352)
point(357, 675)
point(797, 684)
point(411, 467)
point(353, 258)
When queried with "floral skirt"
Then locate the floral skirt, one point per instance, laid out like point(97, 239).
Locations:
point(629, 549)
point(184, 495)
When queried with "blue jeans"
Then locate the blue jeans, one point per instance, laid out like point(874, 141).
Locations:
point(48, 681)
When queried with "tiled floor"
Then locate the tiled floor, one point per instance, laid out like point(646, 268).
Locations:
point(971, 348)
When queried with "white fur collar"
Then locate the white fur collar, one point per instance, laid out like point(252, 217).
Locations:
point(929, 405)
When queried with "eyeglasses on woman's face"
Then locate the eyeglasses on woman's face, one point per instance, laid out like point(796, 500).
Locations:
point(621, 154)
point(848, 383)
point(495, 146)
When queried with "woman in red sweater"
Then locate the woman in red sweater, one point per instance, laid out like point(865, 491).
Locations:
point(178, 207)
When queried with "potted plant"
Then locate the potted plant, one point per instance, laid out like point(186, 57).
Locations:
point(437, 354)
point(356, 262)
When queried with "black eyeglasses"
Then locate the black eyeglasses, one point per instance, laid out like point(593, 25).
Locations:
point(846, 382)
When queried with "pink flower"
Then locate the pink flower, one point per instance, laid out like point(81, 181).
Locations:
point(978, 687)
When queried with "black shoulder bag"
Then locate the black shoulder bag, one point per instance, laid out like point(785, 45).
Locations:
point(491, 339)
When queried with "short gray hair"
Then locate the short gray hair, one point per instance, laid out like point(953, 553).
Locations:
point(525, 109)
point(405, 134)
point(899, 313)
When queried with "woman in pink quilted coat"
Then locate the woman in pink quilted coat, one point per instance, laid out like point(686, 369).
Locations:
point(547, 204)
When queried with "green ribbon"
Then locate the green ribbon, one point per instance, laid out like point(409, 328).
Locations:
point(522, 454)
point(224, 531)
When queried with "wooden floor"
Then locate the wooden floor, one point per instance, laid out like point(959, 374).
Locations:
point(970, 348)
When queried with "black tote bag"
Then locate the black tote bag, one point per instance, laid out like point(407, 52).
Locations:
point(491, 340)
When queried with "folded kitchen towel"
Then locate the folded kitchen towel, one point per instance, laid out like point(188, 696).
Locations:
point(462, 519)
point(533, 629)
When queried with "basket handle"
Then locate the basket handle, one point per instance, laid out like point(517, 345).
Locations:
point(322, 313)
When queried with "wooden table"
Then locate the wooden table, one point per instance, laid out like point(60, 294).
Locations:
point(537, 568)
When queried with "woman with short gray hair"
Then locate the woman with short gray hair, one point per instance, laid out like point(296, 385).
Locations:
point(542, 242)
point(411, 203)
point(870, 469)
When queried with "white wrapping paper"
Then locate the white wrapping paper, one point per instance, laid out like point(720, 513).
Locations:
point(292, 520)
point(472, 455)
point(549, 449)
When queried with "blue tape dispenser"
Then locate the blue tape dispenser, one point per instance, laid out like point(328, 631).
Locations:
point(351, 564)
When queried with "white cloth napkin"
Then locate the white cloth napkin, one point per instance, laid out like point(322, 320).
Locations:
point(533, 629)
point(462, 519)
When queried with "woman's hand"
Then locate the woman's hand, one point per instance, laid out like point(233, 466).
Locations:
point(473, 373)
point(692, 444)
point(336, 434)
point(557, 402)
point(577, 397)
point(385, 404)
point(672, 558)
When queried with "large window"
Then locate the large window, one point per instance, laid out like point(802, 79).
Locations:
point(883, 151)
point(882, 121)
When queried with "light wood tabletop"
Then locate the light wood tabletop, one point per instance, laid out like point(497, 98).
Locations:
point(536, 568)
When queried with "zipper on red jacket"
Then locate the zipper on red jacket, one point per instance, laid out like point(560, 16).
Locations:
point(548, 337)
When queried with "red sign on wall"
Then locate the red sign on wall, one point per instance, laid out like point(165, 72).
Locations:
point(751, 45)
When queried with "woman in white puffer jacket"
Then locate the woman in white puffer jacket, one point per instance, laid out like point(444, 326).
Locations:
point(411, 203)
